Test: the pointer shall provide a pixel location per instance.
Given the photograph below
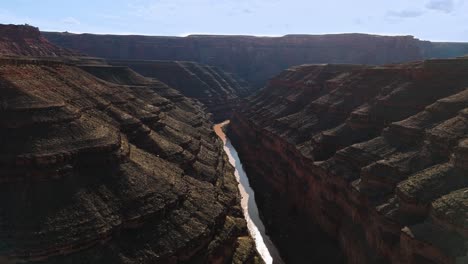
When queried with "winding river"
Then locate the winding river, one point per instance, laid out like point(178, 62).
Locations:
point(265, 247)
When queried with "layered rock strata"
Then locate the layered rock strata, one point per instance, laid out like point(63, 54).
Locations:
point(367, 161)
point(99, 164)
point(255, 59)
point(219, 91)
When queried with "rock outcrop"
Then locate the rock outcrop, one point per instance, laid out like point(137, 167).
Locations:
point(115, 169)
point(257, 59)
point(367, 161)
point(219, 91)
point(27, 41)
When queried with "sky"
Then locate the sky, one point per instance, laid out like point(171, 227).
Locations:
point(436, 20)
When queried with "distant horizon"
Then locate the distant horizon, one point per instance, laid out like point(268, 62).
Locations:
point(244, 35)
point(234, 35)
point(229, 35)
point(431, 20)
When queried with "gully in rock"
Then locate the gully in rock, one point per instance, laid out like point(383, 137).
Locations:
point(264, 245)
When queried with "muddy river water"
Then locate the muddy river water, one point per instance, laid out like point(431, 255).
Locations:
point(265, 247)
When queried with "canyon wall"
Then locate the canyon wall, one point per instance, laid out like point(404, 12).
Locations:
point(219, 91)
point(366, 162)
point(99, 164)
point(257, 59)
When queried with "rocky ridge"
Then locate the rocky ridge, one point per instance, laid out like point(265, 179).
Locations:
point(366, 161)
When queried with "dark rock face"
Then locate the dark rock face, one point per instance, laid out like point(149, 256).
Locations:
point(219, 91)
point(257, 59)
point(372, 160)
point(115, 169)
point(27, 41)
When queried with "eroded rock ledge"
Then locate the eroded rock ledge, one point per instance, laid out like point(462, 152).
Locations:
point(115, 169)
point(367, 161)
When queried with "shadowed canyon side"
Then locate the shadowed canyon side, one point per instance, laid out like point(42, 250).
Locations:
point(219, 91)
point(99, 164)
point(257, 59)
point(368, 161)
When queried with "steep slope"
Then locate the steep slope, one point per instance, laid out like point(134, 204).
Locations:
point(255, 59)
point(373, 158)
point(115, 169)
point(219, 91)
point(27, 41)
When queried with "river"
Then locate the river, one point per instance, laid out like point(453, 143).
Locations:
point(265, 247)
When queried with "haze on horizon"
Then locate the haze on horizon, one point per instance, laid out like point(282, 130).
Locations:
point(436, 20)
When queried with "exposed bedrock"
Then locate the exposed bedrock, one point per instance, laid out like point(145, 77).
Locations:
point(367, 161)
point(219, 91)
point(115, 169)
point(257, 59)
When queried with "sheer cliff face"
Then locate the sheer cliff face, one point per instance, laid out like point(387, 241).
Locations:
point(372, 157)
point(115, 169)
point(219, 91)
point(255, 59)
point(27, 41)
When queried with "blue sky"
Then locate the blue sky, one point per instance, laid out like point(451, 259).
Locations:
point(437, 20)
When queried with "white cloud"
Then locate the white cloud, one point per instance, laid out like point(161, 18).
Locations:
point(446, 6)
point(71, 21)
point(405, 13)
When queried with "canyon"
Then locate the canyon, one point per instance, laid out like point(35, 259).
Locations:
point(99, 164)
point(369, 161)
point(257, 59)
point(114, 159)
